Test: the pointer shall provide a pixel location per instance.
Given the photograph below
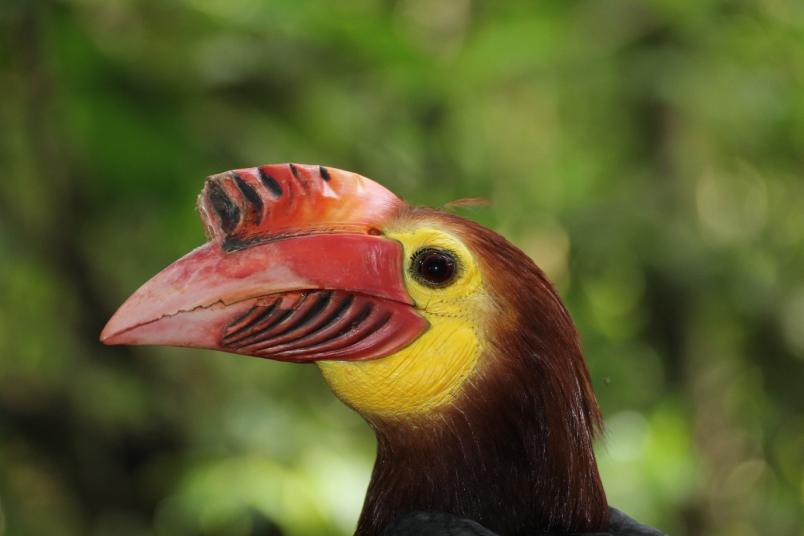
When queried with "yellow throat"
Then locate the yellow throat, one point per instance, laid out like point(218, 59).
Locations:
point(427, 374)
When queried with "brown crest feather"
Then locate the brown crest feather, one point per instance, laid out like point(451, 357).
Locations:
point(468, 202)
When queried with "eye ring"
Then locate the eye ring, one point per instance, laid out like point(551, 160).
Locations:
point(434, 267)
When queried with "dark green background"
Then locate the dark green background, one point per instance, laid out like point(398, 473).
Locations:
point(648, 154)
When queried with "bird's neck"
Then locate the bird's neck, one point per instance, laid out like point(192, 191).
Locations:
point(510, 457)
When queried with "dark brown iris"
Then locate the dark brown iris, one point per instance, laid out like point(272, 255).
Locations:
point(434, 267)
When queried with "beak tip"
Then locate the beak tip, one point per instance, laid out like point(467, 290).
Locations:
point(109, 336)
point(117, 329)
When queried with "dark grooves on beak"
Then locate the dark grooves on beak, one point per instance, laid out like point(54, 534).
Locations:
point(324, 172)
point(264, 319)
point(337, 310)
point(251, 195)
point(270, 183)
point(296, 312)
point(294, 170)
point(227, 210)
point(345, 338)
point(279, 316)
point(252, 316)
point(312, 325)
point(257, 325)
point(296, 327)
point(315, 309)
point(301, 178)
point(325, 331)
point(361, 317)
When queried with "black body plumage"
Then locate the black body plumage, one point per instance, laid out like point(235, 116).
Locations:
point(440, 524)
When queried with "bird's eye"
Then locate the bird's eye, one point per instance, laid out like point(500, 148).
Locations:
point(434, 267)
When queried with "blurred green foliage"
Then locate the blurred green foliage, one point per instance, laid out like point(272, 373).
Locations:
point(648, 154)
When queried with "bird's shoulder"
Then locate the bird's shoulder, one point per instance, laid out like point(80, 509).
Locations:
point(442, 524)
point(621, 524)
point(435, 524)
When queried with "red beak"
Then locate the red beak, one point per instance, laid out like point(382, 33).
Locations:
point(295, 271)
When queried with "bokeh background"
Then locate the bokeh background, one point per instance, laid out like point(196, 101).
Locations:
point(648, 154)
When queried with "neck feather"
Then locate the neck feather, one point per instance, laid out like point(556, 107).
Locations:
point(514, 450)
point(516, 464)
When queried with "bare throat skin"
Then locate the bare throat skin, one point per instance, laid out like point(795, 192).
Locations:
point(417, 380)
point(430, 373)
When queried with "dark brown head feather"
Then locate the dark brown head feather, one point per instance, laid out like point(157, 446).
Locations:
point(514, 451)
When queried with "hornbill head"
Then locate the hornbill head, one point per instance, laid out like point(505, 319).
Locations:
point(443, 335)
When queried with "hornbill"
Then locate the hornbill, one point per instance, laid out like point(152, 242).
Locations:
point(445, 337)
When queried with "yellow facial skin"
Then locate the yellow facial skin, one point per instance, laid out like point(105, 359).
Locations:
point(427, 374)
